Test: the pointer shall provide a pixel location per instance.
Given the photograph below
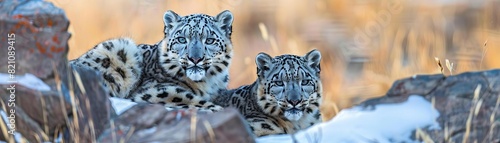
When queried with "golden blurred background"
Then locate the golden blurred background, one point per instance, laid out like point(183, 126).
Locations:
point(366, 45)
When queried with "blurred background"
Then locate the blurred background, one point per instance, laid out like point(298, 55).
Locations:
point(366, 45)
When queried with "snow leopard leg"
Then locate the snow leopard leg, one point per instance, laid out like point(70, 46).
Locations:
point(173, 96)
point(262, 125)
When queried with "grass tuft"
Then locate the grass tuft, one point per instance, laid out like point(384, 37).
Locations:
point(210, 131)
point(473, 111)
point(439, 65)
point(193, 126)
point(421, 135)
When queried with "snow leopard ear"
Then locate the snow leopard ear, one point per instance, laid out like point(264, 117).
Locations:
point(225, 22)
point(313, 59)
point(169, 19)
point(263, 62)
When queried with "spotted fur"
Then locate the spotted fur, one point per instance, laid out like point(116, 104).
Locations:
point(117, 60)
point(285, 97)
point(181, 71)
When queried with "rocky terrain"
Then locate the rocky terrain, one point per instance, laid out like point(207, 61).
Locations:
point(74, 107)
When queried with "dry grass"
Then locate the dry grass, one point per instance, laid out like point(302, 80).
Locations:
point(8, 137)
point(210, 131)
point(193, 126)
point(404, 46)
point(421, 135)
point(493, 122)
point(476, 102)
point(412, 42)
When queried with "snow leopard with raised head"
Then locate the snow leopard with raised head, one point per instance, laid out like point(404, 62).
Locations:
point(285, 97)
point(183, 70)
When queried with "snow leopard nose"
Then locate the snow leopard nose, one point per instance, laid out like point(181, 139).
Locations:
point(195, 60)
point(195, 52)
point(294, 102)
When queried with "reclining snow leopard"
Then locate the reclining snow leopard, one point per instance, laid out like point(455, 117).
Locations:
point(183, 70)
point(285, 97)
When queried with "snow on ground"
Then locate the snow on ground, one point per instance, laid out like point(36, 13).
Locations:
point(386, 123)
point(27, 80)
point(120, 105)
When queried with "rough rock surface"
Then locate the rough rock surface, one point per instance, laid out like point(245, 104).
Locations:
point(35, 111)
point(31, 31)
point(40, 32)
point(152, 123)
point(36, 34)
point(468, 104)
point(76, 104)
point(92, 110)
point(42, 114)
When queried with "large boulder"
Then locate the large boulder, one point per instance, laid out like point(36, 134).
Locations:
point(37, 31)
point(36, 36)
point(468, 104)
point(91, 110)
point(422, 108)
point(152, 123)
point(82, 108)
point(47, 98)
point(36, 114)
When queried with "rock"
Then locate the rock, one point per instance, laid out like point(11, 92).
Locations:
point(41, 114)
point(38, 31)
point(468, 104)
point(35, 111)
point(146, 118)
point(93, 109)
point(152, 123)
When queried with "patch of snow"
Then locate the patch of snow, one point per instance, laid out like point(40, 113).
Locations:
point(386, 123)
point(120, 104)
point(178, 116)
point(27, 80)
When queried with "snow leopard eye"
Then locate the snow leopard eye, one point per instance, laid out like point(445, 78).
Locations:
point(181, 40)
point(305, 82)
point(278, 83)
point(209, 41)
